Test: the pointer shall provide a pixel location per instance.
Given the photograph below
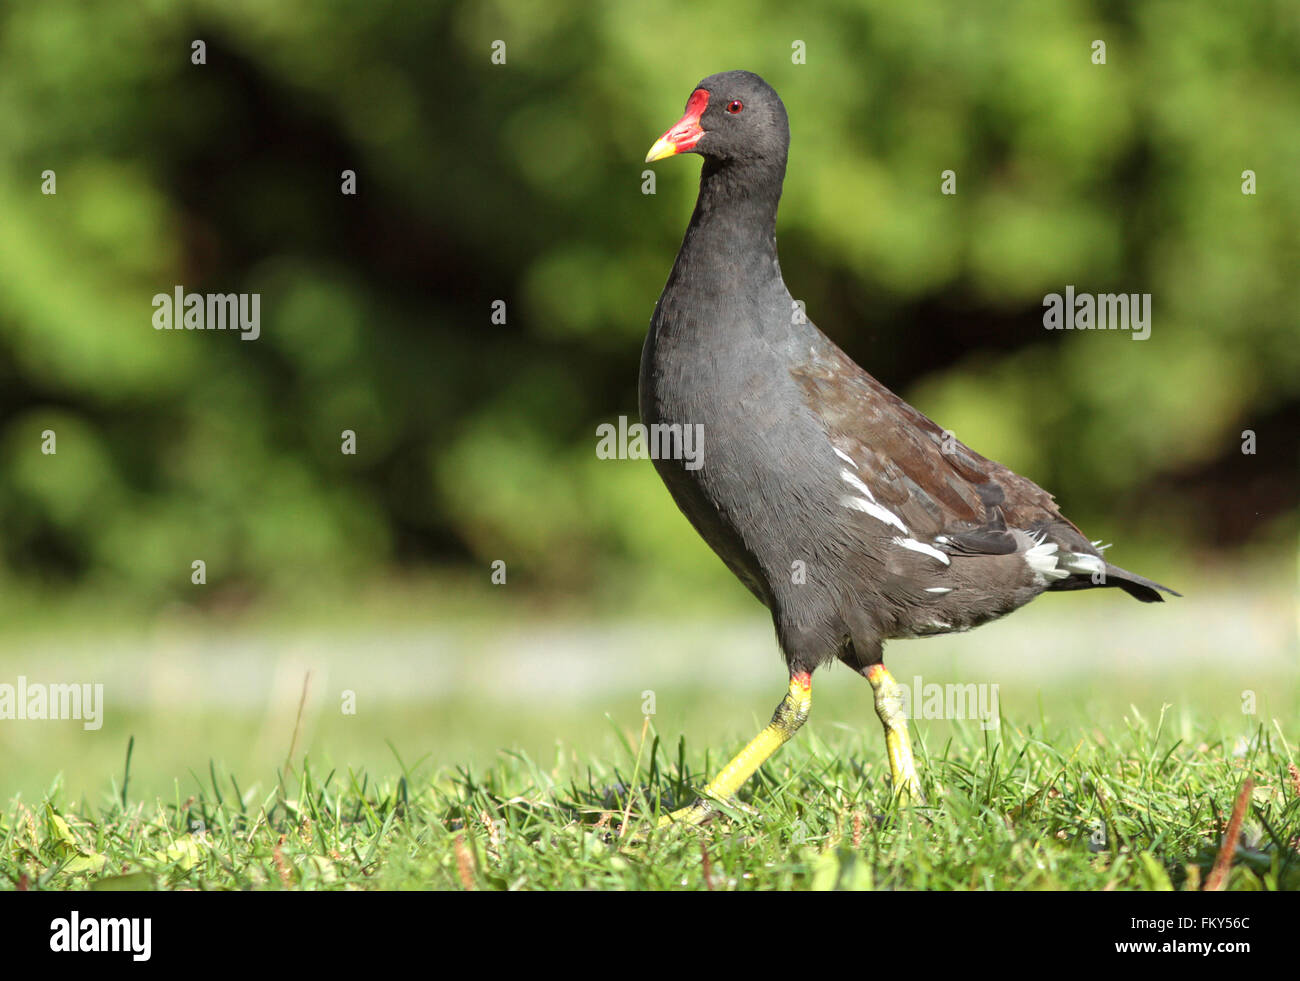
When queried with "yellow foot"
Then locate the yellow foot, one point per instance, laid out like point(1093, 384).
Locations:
point(902, 771)
point(719, 793)
point(908, 791)
point(704, 810)
point(693, 816)
point(889, 707)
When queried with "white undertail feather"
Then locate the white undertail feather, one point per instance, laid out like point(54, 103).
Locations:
point(1082, 564)
point(1041, 558)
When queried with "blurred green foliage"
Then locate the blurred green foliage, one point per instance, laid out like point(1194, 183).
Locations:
point(523, 182)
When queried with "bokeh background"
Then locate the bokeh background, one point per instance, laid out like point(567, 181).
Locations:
point(522, 182)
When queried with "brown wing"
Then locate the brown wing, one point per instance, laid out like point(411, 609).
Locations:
point(936, 484)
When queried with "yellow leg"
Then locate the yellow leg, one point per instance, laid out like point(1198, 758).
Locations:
point(889, 706)
point(789, 716)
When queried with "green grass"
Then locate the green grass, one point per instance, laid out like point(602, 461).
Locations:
point(1124, 743)
point(1133, 807)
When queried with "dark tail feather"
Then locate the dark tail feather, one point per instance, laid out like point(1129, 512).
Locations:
point(1139, 587)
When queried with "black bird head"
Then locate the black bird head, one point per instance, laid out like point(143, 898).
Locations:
point(732, 119)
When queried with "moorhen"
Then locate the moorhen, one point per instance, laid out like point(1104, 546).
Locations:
point(843, 509)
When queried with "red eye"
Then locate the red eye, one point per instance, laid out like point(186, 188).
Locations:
point(735, 106)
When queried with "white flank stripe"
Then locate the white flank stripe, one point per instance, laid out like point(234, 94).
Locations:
point(852, 480)
point(939, 589)
point(923, 548)
point(875, 510)
point(846, 458)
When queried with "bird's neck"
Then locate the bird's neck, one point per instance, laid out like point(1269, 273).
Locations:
point(734, 224)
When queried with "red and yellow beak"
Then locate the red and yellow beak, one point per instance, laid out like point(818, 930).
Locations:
point(686, 133)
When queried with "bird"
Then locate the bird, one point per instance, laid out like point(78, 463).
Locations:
point(809, 463)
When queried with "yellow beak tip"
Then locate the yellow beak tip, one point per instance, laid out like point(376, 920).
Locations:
point(661, 149)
